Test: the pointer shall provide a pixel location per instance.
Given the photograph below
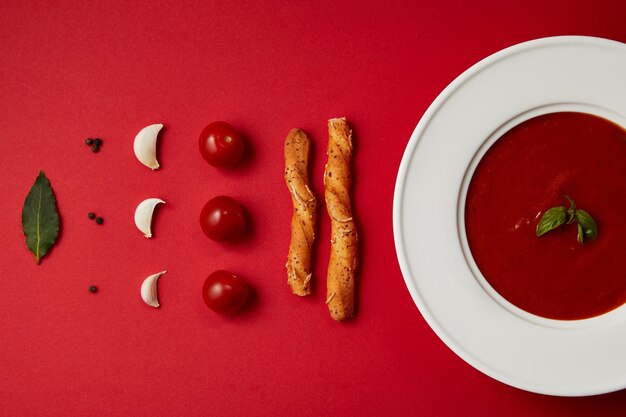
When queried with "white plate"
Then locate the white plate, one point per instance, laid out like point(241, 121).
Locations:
point(573, 73)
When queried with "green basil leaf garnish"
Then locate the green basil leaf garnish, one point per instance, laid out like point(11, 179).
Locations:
point(588, 225)
point(551, 219)
point(556, 216)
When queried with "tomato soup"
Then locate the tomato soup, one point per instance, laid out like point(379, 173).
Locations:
point(529, 170)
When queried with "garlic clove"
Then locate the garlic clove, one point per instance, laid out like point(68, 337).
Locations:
point(143, 215)
point(145, 145)
point(149, 289)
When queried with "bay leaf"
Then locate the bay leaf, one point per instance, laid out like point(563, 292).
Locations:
point(40, 218)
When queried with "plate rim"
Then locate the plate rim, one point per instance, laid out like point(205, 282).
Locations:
point(400, 185)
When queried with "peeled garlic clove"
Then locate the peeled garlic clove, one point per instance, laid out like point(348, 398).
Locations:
point(143, 215)
point(149, 289)
point(145, 145)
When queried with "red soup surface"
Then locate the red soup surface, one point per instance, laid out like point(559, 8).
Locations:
point(529, 170)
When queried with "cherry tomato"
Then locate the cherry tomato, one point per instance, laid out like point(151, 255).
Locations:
point(222, 219)
point(224, 292)
point(221, 145)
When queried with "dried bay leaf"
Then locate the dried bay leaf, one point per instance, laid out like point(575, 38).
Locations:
point(40, 218)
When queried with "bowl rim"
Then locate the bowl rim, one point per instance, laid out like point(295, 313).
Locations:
point(607, 317)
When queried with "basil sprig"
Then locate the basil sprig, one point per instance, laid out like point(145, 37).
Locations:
point(559, 215)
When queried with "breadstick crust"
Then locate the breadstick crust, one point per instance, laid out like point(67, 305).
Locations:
point(344, 238)
point(297, 150)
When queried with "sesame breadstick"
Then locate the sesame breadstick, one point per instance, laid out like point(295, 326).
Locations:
point(298, 265)
point(343, 253)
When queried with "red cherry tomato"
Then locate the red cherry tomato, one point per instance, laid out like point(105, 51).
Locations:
point(224, 293)
point(222, 219)
point(221, 145)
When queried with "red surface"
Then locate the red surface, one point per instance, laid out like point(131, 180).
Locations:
point(79, 69)
point(528, 170)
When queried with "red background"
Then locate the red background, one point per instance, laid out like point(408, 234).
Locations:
point(71, 70)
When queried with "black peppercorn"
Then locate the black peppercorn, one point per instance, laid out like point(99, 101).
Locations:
point(97, 141)
point(99, 220)
point(91, 215)
point(93, 288)
point(89, 141)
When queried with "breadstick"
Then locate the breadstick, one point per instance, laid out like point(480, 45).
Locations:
point(343, 251)
point(298, 265)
